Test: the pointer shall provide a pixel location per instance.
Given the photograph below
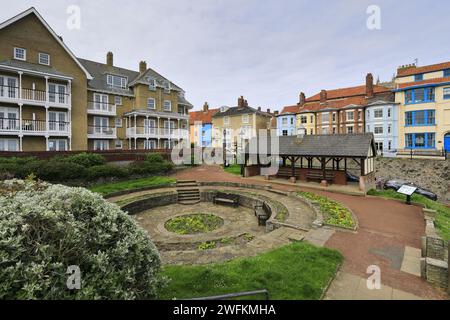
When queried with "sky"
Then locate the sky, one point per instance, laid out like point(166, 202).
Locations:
point(266, 50)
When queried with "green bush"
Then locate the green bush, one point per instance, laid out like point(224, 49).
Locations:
point(86, 159)
point(154, 158)
point(146, 167)
point(58, 171)
point(105, 171)
point(45, 228)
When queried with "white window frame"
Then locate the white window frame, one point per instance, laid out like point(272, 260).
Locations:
point(42, 54)
point(378, 127)
point(328, 115)
point(245, 118)
point(170, 105)
point(57, 144)
point(154, 104)
point(101, 144)
point(151, 84)
point(118, 122)
point(348, 118)
point(375, 113)
point(348, 129)
point(118, 100)
point(24, 58)
point(4, 145)
point(167, 87)
point(226, 120)
point(110, 81)
point(102, 103)
point(150, 144)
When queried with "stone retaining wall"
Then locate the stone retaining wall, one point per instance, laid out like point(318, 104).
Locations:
point(434, 262)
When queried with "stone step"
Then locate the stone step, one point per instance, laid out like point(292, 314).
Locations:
point(188, 202)
point(188, 197)
point(187, 190)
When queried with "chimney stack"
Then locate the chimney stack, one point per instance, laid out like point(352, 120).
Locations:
point(268, 110)
point(142, 67)
point(302, 99)
point(245, 103)
point(275, 113)
point(241, 102)
point(369, 85)
point(323, 96)
point(259, 108)
point(109, 59)
point(205, 107)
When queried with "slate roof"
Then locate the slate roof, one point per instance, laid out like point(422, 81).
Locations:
point(17, 64)
point(329, 145)
point(417, 70)
point(100, 70)
point(156, 76)
point(234, 111)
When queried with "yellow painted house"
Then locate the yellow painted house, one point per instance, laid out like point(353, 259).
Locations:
point(50, 100)
point(423, 95)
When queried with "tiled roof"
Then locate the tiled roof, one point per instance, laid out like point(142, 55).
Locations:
point(336, 104)
point(337, 145)
point(348, 92)
point(289, 109)
point(428, 81)
point(203, 116)
point(417, 70)
point(17, 64)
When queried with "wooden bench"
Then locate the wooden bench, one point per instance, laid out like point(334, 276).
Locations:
point(226, 198)
point(262, 212)
point(318, 175)
point(286, 172)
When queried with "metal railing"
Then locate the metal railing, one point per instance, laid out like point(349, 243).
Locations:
point(34, 95)
point(102, 131)
point(102, 107)
point(28, 125)
point(411, 153)
point(264, 292)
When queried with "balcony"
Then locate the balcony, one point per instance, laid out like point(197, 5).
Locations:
point(101, 108)
point(158, 133)
point(102, 132)
point(34, 97)
point(11, 126)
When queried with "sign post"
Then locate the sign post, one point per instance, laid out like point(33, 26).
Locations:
point(408, 191)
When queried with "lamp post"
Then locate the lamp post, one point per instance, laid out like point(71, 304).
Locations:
point(224, 146)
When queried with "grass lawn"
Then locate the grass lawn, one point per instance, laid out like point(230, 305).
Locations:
point(294, 272)
point(233, 169)
point(107, 188)
point(443, 213)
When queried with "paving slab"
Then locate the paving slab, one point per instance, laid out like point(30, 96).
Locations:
point(411, 261)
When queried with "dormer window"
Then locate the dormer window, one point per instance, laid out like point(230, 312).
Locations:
point(151, 84)
point(44, 59)
point(20, 54)
point(418, 77)
point(166, 86)
point(116, 81)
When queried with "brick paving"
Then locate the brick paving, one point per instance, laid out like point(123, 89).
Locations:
point(386, 227)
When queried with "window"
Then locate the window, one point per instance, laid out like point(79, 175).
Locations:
point(419, 95)
point(44, 58)
point(334, 117)
point(20, 54)
point(389, 112)
point(151, 103)
point(304, 119)
point(325, 117)
point(118, 144)
point(334, 130)
point(57, 93)
point(149, 144)
point(311, 131)
point(285, 132)
point(9, 145)
point(418, 77)
point(226, 120)
point(118, 100)
point(151, 84)
point(116, 81)
point(324, 130)
point(447, 73)
point(118, 122)
point(359, 115)
point(57, 121)
point(389, 128)
point(349, 129)
point(389, 145)
point(167, 105)
point(57, 144)
point(284, 121)
point(245, 118)
point(101, 145)
point(350, 115)
point(378, 113)
point(378, 130)
point(166, 86)
point(420, 140)
point(101, 101)
point(447, 93)
point(312, 119)
point(292, 121)
point(420, 118)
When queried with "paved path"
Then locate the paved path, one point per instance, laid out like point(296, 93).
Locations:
point(386, 228)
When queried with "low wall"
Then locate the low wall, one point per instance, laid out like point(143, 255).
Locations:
point(434, 262)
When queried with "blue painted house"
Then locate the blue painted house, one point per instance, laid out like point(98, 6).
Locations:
point(286, 121)
point(201, 126)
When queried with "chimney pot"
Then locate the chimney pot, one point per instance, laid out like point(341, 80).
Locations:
point(142, 67)
point(268, 110)
point(276, 113)
point(323, 96)
point(369, 85)
point(110, 59)
point(302, 99)
point(241, 102)
point(205, 107)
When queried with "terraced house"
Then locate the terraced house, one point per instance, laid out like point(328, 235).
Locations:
point(423, 94)
point(51, 100)
point(201, 126)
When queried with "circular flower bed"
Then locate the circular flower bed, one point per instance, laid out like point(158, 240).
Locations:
point(194, 223)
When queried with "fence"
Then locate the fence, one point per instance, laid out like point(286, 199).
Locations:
point(109, 155)
point(411, 153)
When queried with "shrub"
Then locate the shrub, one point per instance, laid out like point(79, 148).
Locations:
point(146, 167)
point(46, 228)
point(58, 171)
point(104, 171)
point(86, 159)
point(154, 158)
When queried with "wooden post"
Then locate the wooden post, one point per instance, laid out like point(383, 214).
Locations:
point(362, 167)
point(323, 169)
point(345, 165)
point(293, 166)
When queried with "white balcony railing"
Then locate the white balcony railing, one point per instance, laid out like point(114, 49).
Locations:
point(101, 108)
point(11, 94)
point(152, 132)
point(102, 132)
point(36, 127)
